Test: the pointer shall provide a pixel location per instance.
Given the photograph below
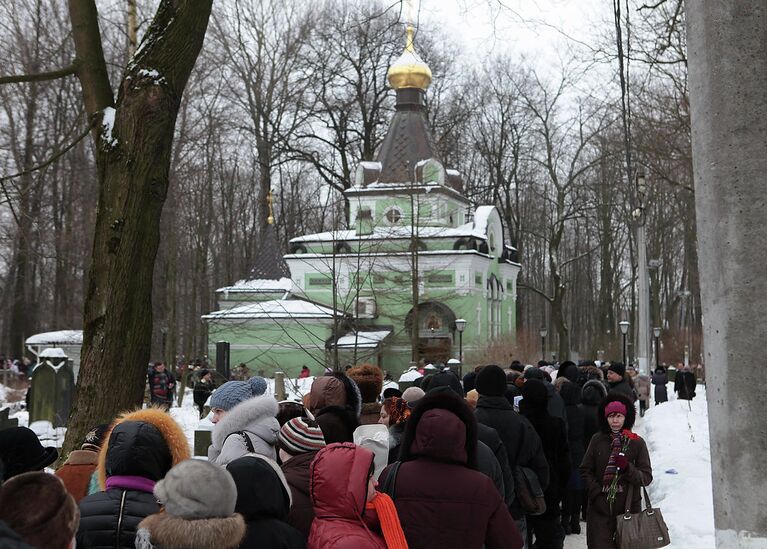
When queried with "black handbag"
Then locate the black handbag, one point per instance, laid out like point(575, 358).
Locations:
point(643, 530)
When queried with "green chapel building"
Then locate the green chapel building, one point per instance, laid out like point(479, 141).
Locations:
point(389, 289)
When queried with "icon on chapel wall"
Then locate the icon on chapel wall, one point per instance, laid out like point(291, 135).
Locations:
point(433, 322)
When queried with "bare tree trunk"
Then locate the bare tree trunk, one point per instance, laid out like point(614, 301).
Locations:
point(133, 159)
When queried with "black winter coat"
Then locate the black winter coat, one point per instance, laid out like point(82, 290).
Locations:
point(489, 437)
point(624, 388)
point(554, 442)
point(109, 520)
point(570, 393)
point(522, 443)
point(592, 393)
point(684, 385)
point(263, 500)
point(660, 380)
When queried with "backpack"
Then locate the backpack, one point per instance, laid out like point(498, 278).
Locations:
point(528, 489)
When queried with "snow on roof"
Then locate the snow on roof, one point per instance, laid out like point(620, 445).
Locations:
point(371, 165)
point(481, 216)
point(53, 352)
point(260, 285)
point(62, 337)
point(276, 308)
point(363, 340)
point(402, 232)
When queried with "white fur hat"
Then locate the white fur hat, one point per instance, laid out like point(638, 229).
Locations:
point(196, 489)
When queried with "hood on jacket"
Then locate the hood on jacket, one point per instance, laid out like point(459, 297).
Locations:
point(570, 393)
point(442, 427)
point(593, 391)
point(604, 427)
point(335, 390)
point(339, 480)
point(262, 490)
point(172, 437)
point(255, 415)
point(337, 424)
point(166, 531)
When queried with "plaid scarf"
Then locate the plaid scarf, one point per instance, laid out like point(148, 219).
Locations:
point(611, 470)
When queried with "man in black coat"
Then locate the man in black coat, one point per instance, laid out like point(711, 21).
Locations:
point(546, 528)
point(616, 379)
point(522, 443)
point(684, 384)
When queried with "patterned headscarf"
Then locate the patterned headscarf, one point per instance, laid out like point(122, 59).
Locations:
point(397, 410)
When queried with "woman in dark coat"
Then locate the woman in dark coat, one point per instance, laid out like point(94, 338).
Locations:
point(442, 500)
point(263, 499)
point(137, 452)
point(660, 380)
point(546, 528)
point(615, 459)
point(571, 502)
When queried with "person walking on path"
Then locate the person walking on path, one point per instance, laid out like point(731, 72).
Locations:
point(660, 380)
point(443, 501)
point(350, 513)
point(140, 449)
point(617, 382)
point(198, 500)
point(299, 441)
point(615, 459)
point(547, 528)
point(161, 385)
point(203, 389)
point(245, 421)
point(571, 500)
point(684, 384)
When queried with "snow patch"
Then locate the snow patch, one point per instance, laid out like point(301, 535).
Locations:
point(677, 437)
point(260, 285)
point(481, 217)
point(107, 125)
point(156, 77)
point(53, 352)
point(276, 308)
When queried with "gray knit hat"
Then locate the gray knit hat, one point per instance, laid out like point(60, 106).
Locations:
point(231, 393)
point(196, 489)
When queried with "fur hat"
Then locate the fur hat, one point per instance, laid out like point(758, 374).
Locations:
point(534, 395)
point(568, 370)
point(534, 373)
point(369, 379)
point(300, 435)
point(231, 393)
point(491, 381)
point(196, 489)
point(171, 432)
point(39, 509)
point(617, 367)
point(21, 451)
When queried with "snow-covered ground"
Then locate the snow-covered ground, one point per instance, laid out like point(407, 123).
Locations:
point(676, 433)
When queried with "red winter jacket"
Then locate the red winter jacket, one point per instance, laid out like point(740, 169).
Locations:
point(338, 488)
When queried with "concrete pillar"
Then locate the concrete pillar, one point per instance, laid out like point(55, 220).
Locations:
point(727, 51)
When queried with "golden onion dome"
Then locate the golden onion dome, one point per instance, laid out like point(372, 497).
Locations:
point(409, 70)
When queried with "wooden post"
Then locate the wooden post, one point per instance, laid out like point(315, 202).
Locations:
point(279, 386)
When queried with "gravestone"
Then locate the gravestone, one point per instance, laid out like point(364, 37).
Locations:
point(53, 383)
point(5, 421)
point(222, 359)
point(202, 439)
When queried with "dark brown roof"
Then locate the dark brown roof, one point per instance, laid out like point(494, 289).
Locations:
point(408, 140)
point(269, 263)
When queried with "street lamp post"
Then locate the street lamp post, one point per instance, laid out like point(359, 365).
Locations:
point(624, 326)
point(544, 331)
point(460, 325)
point(656, 333)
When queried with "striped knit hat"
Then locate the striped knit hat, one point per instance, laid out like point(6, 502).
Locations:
point(300, 435)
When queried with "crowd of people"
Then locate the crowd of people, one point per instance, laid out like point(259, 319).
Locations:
point(503, 458)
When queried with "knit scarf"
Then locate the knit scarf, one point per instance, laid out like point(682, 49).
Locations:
point(389, 520)
point(611, 470)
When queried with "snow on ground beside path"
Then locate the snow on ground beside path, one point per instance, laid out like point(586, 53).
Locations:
point(677, 437)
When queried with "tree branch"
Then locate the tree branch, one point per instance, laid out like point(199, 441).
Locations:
point(536, 291)
point(41, 76)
